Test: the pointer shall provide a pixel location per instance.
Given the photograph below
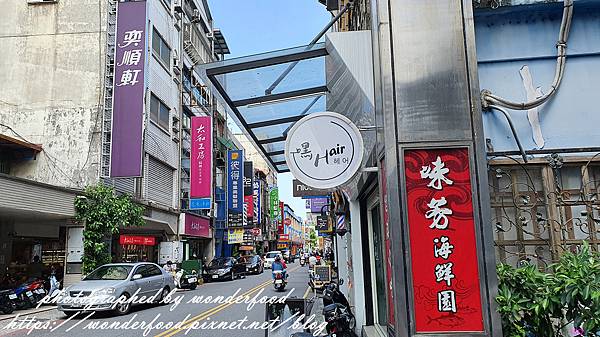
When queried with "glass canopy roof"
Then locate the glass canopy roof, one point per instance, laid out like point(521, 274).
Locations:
point(267, 93)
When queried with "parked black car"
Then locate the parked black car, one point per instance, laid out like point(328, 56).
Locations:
point(254, 264)
point(223, 268)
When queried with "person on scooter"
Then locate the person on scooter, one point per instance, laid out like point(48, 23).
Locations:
point(279, 264)
point(170, 267)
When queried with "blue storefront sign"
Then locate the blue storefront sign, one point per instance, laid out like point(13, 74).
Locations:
point(235, 188)
point(202, 203)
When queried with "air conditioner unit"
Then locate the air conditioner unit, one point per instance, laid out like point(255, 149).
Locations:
point(177, 6)
point(176, 64)
point(195, 16)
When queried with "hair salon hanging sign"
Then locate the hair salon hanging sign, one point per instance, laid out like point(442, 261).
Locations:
point(324, 150)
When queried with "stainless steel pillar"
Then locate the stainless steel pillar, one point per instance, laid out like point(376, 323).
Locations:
point(428, 97)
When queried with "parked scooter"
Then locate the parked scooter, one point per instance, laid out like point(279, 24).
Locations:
point(36, 286)
point(337, 313)
point(183, 280)
point(7, 304)
point(279, 281)
point(25, 297)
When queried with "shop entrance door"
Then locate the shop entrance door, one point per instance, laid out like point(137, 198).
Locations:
point(376, 238)
point(137, 253)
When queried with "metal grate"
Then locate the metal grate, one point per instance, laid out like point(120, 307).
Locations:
point(540, 211)
point(108, 87)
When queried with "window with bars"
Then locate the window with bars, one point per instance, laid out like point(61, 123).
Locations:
point(540, 211)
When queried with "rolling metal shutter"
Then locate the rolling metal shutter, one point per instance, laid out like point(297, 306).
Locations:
point(159, 187)
point(123, 185)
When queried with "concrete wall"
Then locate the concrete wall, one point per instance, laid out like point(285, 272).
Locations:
point(51, 70)
point(512, 38)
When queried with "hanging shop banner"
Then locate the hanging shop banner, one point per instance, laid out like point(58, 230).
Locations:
point(197, 226)
point(235, 188)
point(257, 202)
point(128, 90)
point(248, 235)
point(387, 244)
point(322, 224)
point(445, 274)
point(137, 240)
point(315, 205)
point(280, 227)
point(201, 158)
point(274, 203)
point(324, 150)
point(248, 192)
point(301, 190)
point(235, 235)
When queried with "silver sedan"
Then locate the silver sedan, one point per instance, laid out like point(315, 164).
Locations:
point(117, 286)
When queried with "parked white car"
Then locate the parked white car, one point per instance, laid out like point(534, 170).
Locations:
point(99, 289)
point(270, 257)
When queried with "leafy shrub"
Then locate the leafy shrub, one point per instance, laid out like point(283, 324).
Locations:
point(540, 304)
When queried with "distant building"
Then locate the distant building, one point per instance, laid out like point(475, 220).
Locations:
point(57, 71)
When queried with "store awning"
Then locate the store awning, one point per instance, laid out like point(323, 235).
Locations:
point(268, 93)
point(18, 149)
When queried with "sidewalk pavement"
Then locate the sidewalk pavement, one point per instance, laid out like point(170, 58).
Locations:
point(27, 312)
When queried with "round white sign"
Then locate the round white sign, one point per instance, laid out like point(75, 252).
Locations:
point(324, 150)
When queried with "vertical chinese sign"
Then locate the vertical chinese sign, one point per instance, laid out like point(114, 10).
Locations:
point(128, 90)
point(248, 193)
point(201, 158)
point(445, 273)
point(274, 203)
point(281, 219)
point(256, 187)
point(274, 206)
point(235, 187)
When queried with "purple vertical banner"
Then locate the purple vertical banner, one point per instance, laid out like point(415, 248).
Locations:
point(201, 158)
point(128, 91)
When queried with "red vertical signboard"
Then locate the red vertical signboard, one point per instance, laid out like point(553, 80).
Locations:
point(443, 246)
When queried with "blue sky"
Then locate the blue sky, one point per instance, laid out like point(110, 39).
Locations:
point(257, 26)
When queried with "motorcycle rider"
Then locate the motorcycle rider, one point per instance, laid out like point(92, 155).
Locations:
point(312, 261)
point(170, 267)
point(279, 264)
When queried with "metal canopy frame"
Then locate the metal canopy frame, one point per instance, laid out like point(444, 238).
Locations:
point(216, 72)
point(221, 47)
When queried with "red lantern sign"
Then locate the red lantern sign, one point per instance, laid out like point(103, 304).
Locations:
point(445, 272)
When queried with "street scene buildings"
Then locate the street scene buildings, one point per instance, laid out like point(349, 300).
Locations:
point(409, 165)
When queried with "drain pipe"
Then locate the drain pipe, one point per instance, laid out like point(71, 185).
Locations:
point(312, 43)
point(512, 128)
